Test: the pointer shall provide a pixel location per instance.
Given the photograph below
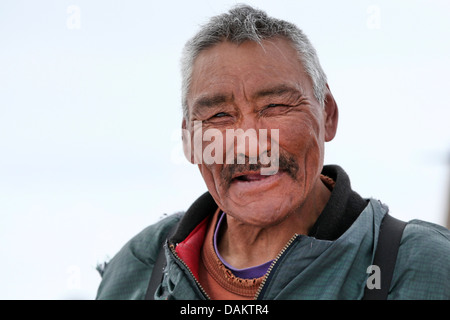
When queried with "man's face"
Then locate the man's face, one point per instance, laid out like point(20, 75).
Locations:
point(249, 86)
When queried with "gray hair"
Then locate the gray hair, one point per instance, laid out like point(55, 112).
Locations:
point(244, 23)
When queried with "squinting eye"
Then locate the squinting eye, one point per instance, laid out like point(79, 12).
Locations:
point(275, 109)
point(220, 115)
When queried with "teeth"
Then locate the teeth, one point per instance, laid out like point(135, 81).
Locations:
point(251, 177)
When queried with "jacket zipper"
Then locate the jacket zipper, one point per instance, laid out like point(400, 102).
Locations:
point(280, 254)
point(172, 248)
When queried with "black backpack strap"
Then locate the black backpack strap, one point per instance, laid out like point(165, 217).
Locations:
point(158, 269)
point(389, 238)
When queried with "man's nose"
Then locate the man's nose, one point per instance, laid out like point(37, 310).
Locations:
point(252, 140)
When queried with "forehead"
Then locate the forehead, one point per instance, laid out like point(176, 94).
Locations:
point(228, 67)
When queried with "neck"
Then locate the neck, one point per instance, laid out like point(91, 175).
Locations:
point(244, 246)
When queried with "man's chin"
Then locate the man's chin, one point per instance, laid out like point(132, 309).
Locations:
point(261, 206)
point(260, 214)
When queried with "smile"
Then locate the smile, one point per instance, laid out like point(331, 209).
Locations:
point(254, 181)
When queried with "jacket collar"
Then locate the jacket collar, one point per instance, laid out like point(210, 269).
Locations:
point(342, 209)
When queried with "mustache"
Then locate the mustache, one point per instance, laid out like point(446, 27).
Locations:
point(286, 163)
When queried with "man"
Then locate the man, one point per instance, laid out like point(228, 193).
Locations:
point(275, 223)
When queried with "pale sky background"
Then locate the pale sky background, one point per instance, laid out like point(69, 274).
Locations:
point(90, 114)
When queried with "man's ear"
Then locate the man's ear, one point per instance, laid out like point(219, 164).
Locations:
point(187, 141)
point(331, 116)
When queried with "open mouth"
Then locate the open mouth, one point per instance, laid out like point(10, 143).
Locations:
point(254, 176)
point(254, 182)
point(251, 177)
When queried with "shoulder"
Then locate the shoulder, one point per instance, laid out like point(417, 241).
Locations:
point(147, 243)
point(126, 275)
point(425, 239)
point(423, 263)
point(418, 229)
